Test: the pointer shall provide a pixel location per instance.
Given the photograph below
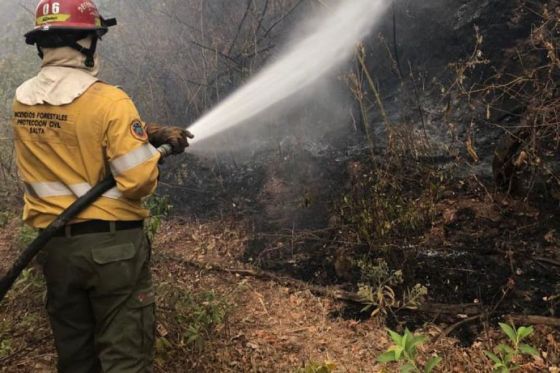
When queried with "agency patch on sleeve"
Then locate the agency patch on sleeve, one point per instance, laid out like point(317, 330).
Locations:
point(138, 131)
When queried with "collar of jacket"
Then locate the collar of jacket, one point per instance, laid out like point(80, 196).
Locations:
point(62, 79)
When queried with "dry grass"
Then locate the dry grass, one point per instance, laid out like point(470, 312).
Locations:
point(268, 328)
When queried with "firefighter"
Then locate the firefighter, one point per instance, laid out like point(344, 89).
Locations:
point(70, 131)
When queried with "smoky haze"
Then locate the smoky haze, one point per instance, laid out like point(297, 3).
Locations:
point(178, 59)
point(312, 56)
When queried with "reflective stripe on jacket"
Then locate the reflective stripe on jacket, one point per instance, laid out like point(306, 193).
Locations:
point(62, 151)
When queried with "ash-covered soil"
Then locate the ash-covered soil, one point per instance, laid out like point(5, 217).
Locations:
point(481, 246)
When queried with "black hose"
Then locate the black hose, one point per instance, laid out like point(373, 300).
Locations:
point(67, 215)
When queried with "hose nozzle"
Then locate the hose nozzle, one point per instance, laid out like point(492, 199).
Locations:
point(166, 150)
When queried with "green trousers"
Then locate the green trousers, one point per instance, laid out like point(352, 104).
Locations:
point(100, 301)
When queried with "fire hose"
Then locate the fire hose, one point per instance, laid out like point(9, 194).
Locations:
point(64, 218)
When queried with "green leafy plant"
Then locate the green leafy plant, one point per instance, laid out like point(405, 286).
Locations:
point(505, 356)
point(377, 300)
point(377, 288)
point(5, 347)
point(6, 342)
point(415, 296)
point(314, 367)
point(159, 207)
point(207, 311)
point(26, 236)
point(5, 217)
point(405, 352)
point(29, 279)
point(378, 273)
point(189, 318)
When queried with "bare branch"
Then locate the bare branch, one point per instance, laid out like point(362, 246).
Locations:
point(240, 26)
point(279, 20)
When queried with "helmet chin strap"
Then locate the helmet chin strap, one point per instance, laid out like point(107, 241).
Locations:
point(40, 51)
point(89, 53)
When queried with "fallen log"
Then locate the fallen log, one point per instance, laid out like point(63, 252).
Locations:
point(533, 320)
point(329, 292)
point(469, 311)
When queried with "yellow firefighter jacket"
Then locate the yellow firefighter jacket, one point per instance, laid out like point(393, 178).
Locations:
point(62, 151)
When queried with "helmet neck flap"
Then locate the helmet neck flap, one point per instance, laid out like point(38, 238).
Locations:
point(70, 39)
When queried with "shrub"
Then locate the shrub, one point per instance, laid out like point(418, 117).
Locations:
point(159, 207)
point(405, 352)
point(505, 356)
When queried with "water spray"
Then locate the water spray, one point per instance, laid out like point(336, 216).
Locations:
point(330, 43)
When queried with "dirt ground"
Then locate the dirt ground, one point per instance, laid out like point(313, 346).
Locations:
point(268, 327)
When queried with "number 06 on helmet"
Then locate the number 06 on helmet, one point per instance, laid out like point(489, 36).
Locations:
point(61, 23)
